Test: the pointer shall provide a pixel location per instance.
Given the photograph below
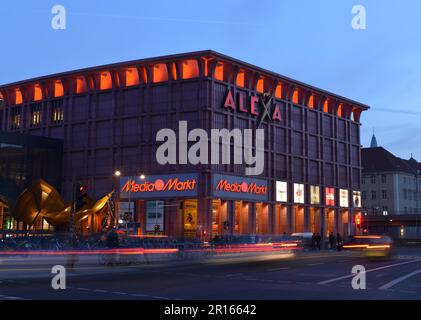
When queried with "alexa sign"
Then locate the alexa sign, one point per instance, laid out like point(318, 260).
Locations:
point(263, 107)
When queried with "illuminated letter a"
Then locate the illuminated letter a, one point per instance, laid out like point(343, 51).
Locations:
point(229, 101)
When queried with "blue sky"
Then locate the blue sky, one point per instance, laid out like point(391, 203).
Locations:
point(311, 41)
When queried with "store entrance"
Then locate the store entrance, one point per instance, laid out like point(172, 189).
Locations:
point(345, 224)
point(298, 219)
point(281, 226)
point(241, 218)
point(315, 224)
point(262, 218)
point(329, 222)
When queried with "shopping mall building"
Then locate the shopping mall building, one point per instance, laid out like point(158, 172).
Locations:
point(108, 118)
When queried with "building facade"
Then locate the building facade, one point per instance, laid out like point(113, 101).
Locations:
point(109, 118)
point(390, 185)
point(23, 159)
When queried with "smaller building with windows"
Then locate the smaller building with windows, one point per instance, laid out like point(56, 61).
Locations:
point(390, 185)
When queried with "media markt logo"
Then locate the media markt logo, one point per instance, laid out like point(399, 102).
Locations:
point(242, 187)
point(269, 109)
point(171, 184)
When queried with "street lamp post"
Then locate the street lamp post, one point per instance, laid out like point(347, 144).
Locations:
point(141, 176)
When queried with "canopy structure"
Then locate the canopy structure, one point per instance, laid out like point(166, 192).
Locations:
point(42, 200)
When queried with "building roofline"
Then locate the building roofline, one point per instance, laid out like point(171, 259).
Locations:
point(167, 58)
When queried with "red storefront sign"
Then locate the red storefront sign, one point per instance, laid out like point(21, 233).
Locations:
point(253, 188)
point(330, 196)
point(170, 185)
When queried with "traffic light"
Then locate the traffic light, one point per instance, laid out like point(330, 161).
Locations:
point(358, 220)
point(81, 193)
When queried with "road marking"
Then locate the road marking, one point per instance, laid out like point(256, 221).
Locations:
point(250, 279)
point(278, 269)
point(117, 292)
point(371, 270)
point(161, 298)
point(84, 289)
point(101, 291)
point(400, 279)
point(315, 264)
point(234, 274)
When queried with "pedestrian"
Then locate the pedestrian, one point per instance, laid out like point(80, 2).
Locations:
point(318, 241)
point(313, 241)
point(331, 241)
point(339, 242)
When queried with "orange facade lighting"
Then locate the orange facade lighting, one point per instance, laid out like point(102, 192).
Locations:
point(240, 79)
point(278, 91)
point(326, 106)
point(105, 81)
point(295, 97)
point(58, 89)
point(18, 97)
point(219, 71)
point(173, 71)
point(311, 102)
point(260, 87)
point(160, 72)
point(37, 93)
point(340, 111)
point(132, 77)
point(190, 69)
point(81, 86)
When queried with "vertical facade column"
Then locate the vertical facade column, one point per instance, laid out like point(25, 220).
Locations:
point(290, 213)
point(231, 216)
point(252, 218)
point(307, 219)
point(271, 218)
point(205, 217)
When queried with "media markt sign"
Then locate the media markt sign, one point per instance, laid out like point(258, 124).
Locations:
point(162, 186)
point(240, 188)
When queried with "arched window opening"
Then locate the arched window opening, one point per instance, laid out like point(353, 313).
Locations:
point(105, 81)
point(81, 86)
point(295, 96)
point(37, 92)
point(340, 112)
point(278, 91)
point(190, 69)
point(240, 81)
point(18, 97)
point(173, 71)
point(58, 89)
point(326, 106)
point(311, 102)
point(260, 86)
point(219, 71)
point(160, 73)
point(356, 114)
point(132, 77)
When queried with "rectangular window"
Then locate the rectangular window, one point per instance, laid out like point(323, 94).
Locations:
point(363, 195)
point(373, 195)
point(363, 180)
point(384, 194)
point(405, 194)
point(57, 114)
point(35, 120)
point(383, 178)
point(385, 211)
point(373, 179)
point(16, 118)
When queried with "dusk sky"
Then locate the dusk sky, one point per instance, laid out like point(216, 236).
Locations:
point(306, 40)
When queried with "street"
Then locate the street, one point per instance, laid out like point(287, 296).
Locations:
point(309, 275)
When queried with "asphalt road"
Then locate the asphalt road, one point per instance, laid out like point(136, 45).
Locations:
point(325, 275)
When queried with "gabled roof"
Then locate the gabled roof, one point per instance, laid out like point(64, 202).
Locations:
point(378, 159)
